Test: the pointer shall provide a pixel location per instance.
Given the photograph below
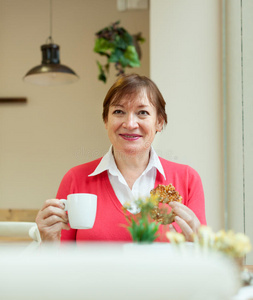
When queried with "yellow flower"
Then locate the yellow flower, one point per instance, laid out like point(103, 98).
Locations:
point(153, 199)
point(127, 205)
point(236, 245)
point(205, 236)
point(175, 237)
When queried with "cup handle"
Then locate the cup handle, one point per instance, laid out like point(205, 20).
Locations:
point(64, 201)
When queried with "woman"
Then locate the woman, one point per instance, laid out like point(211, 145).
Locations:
point(133, 112)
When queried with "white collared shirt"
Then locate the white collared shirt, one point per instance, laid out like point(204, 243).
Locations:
point(141, 187)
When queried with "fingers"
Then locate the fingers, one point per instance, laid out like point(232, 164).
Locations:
point(172, 228)
point(52, 202)
point(186, 214)
point(52, 210)
point(180, 208)
point(51, 219)
point(186, 219)
point(52, 233)
point(52, 215)
point(186, 229)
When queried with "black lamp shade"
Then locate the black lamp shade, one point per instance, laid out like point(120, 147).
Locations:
point(50, 72)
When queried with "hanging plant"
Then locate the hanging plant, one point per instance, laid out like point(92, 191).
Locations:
point(120, 48)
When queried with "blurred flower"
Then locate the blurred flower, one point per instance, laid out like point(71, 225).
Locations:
point(175, 237)
point(235, 245)
point(127, 205)
point(205, 237)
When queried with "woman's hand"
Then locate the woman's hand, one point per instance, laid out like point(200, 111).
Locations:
point(186, 219)
point(51, 219)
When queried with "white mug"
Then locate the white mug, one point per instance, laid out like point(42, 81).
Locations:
point(81, 209)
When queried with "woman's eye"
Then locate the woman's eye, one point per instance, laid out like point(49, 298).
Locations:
point(143, 112)
point(117, 111)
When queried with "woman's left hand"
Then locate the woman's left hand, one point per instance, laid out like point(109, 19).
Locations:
point(186, 219)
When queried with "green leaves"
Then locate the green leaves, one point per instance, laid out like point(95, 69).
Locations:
point(103, 47)
point(117, 45)
point(116, 55)
point(132, 56)
point(101, 75)
point(143, 231)
point(141, 226)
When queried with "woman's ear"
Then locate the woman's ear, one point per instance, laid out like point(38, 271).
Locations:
point(159, 125)
point(105, 123)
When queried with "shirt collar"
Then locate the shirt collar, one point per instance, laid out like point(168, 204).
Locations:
point(107, 163)
point(154, 161)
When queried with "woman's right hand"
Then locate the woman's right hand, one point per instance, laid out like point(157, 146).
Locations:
point(51, 219)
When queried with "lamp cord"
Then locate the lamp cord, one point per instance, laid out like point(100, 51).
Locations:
point(50, 39)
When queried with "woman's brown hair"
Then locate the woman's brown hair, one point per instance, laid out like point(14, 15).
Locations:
point(128, 85)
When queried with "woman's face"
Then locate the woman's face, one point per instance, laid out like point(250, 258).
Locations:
point(132, 124)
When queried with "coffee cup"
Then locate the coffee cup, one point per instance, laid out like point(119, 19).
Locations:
point(81, 209)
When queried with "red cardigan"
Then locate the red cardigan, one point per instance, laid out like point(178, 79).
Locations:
point(110, 216)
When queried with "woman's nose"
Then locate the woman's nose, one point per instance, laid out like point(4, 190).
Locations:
point(130, 121)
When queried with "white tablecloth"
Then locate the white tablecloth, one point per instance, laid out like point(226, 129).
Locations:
point(245, 293)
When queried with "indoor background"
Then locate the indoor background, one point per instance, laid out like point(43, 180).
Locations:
point(193, 51)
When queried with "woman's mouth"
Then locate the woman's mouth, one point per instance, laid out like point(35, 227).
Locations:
point(130, 137)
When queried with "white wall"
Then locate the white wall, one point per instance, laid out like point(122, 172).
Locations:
point(186, 63)
point(61, 126)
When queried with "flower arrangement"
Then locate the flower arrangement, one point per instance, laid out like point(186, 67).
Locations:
point(235, 245)
point(119, 47)
point(141, 225)
point(143, 228)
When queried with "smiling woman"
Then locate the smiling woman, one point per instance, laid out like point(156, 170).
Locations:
point(133, 112)
point(132, 122)
point(132, 125)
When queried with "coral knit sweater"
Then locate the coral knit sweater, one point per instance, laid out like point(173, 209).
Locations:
point(110, 216)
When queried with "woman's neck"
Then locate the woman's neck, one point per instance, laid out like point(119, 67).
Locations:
point(131, 166)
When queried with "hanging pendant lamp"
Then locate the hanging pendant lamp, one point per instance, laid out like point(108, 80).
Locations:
point(50, 72)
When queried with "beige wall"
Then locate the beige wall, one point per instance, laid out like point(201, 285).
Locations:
point(209, 100)
point(188, 69)
point(61, 126)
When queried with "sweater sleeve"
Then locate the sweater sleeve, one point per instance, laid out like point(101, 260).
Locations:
point(196, 199)
point(67, 186)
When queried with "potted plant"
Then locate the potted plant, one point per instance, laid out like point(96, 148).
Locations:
point(119, 47)
point(141, 226)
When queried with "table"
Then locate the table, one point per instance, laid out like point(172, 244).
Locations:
point(116, 271)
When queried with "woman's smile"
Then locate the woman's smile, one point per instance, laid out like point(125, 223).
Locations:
point(130, 137)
